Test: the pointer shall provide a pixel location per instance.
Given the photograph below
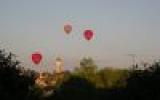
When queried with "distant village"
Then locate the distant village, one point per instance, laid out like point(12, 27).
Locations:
point(46, 80)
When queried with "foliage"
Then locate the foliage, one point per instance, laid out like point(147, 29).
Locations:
point(111, 78)
point(85, 82)
point(87, 69)
point(144, 84)
point(13, 85)
point(104, 78)
point(75, 88)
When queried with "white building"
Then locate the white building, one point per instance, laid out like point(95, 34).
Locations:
point(58, 65)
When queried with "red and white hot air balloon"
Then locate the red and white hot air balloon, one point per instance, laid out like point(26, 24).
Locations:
point(68, 28)
point(88, 34)
point(36, 58)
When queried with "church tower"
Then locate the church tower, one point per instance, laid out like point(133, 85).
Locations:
point(58, 65)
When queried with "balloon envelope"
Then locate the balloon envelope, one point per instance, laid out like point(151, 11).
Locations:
point(36, 58)
point(88, 34)
point(67, 28)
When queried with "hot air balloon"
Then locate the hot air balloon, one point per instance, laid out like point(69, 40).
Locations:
point(36, 58)
point(88, 34)
point(68, 28)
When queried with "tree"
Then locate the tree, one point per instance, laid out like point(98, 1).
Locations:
point(111, 78)
point(144, 84)
point(13, 85)
point(75, 88)
point(87, 69)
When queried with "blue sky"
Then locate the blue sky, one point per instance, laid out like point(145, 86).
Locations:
point(121, 27)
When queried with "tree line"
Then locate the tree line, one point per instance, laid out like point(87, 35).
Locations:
point(84, 82)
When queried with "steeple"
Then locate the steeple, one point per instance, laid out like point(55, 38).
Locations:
point(58, 65)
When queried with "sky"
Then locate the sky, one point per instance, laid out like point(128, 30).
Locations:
point(121, 27)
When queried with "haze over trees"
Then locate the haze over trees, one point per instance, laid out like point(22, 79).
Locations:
point(85, 82)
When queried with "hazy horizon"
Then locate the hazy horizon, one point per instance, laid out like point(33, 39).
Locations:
point(121, 27)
